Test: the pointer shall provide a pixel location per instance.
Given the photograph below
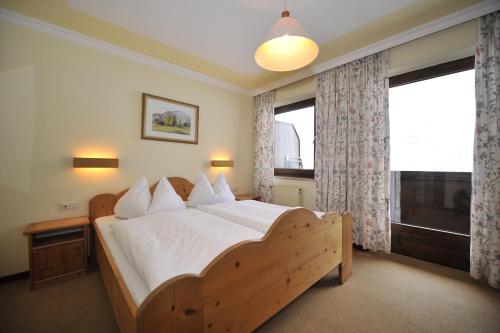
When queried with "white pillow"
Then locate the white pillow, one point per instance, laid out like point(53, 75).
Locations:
point(165, 198)
point(222, 189)
point(135, 202)
point(203, 193)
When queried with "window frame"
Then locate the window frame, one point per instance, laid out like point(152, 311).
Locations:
point(297, 173)
point(432, 72)
point(438, 246)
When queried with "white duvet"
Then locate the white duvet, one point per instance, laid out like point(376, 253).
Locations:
point(164, 245)
point(250, 213)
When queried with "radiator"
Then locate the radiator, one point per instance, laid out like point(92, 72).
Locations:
point(288, 195)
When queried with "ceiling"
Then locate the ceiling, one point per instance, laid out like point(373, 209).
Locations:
point(214, 41)
point(227, 32)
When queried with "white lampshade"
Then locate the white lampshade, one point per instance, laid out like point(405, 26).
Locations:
point(286, 47)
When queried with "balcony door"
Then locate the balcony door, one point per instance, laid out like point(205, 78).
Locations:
point(432, 115)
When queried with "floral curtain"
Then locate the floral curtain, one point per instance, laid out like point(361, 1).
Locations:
point(352, 170)
point(485, 205)
point(264, 146)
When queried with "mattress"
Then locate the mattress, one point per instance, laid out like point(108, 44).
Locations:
point(133, 281)
point(250, 213)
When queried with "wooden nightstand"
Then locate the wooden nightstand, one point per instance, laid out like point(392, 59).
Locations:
point(240, 197)
point(57, 250)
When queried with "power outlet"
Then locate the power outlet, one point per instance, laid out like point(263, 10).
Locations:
point(70, 205)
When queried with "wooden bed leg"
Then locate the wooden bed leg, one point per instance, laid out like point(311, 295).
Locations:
point(345, 268)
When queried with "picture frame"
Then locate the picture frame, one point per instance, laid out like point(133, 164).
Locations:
point(165, 119)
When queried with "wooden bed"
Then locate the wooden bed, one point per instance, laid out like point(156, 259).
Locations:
point(241, 288)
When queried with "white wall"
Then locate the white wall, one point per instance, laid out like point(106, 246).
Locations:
point(59, 100)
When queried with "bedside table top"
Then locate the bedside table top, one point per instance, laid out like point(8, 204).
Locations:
point(50, 225)
point(247, 197)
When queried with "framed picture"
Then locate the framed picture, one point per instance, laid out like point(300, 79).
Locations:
point(168, 120)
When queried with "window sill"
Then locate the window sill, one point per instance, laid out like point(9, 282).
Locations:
point(301, 179)
point(294, 173)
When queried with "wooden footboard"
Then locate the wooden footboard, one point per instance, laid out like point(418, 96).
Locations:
point(241, 288)
point(251, 281)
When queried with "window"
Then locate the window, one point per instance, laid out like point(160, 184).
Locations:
point(432, 116)
point(294, 139)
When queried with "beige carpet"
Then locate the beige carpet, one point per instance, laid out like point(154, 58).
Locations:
point(386, 294)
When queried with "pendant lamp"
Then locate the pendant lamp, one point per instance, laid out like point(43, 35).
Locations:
point(286, 47)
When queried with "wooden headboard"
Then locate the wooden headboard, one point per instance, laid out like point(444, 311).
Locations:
point(104, 204)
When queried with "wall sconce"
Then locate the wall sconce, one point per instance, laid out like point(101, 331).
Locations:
point(222, 163)
point(90, 162)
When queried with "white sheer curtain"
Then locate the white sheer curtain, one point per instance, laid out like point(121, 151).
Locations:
point(352, 170)
point(264, 146)
point(395, 196)
point(485, 205)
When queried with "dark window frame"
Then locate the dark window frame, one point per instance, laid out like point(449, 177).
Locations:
point(442, 247)
point(447, 68)
point(297, 173)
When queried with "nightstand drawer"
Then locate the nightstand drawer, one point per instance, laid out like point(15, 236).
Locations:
point(56, 260)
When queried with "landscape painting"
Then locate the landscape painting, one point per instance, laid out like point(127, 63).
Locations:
point(169, 120)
